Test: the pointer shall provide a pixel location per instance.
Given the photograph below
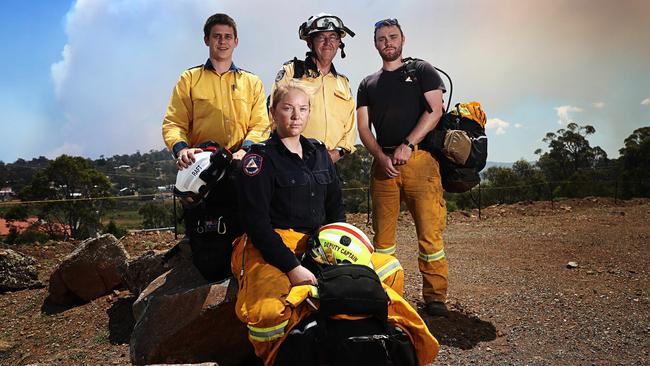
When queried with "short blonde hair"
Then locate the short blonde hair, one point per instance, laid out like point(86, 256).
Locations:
point(279, 93)
point(283, 90)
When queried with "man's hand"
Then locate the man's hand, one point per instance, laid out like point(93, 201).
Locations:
point(186, 157)
point(401, 155)
point(301, 276)
point(239, 154)
point(385, 164)
point(334, 155)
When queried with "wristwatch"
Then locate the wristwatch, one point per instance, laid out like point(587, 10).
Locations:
point(341, 151)
point(408, 143)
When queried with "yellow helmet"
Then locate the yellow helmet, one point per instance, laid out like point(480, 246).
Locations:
point(340, 242)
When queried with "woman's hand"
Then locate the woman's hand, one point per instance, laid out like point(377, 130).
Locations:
point(301, 276)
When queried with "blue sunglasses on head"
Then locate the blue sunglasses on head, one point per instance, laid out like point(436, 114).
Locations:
point(386, 22)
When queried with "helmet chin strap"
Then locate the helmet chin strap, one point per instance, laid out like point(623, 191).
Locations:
point(342, 46)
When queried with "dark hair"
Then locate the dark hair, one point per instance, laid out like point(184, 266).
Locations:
point(388, 25)
point(219, 18)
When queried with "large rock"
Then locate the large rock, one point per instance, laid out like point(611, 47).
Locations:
point(17, 271)
point(89, 272)
point(183, 318)
point(186, 364)
point(140, 272)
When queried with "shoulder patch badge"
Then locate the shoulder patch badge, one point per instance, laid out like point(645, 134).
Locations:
point(252, 164)
point(279, 75)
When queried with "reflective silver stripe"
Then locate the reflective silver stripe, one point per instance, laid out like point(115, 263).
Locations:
point(267, 334)
point(300, 331)
point(432, 257)
point(388, 269)
point(389, 250)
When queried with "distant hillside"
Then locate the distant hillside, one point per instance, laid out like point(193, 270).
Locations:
point(129, 173)
point(491, 164)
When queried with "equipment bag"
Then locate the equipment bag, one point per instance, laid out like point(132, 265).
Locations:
point(351, 289)
point(458, 141)
point(324, 339)
point(211, 226)
point(338, 342)
point(460, 144)
point(460, 136)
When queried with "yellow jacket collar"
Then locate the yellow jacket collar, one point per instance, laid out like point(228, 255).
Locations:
point(310, 64)
point(208, 66)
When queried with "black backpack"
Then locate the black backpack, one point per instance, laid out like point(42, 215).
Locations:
point(211, 227)
point(457, 177)
point(212, 224)
point(319, 339)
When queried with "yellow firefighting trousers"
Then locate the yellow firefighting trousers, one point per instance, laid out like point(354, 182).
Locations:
point(418, 185)
point(263, 290)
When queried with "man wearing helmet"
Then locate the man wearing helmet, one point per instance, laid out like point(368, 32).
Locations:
point(403, 109)
point(217, 102)
point(332, 115)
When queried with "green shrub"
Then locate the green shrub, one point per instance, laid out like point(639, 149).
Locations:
point(451, 206)
point(31, 235)
point(116, 230)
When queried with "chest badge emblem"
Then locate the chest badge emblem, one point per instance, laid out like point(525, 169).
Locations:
point(252, 164)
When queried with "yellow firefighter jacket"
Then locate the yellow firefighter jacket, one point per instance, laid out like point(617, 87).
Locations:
point(228, 109)
point(332, 115)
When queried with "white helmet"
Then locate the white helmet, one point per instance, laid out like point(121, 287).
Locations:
point(323, 22)
point(194, 182)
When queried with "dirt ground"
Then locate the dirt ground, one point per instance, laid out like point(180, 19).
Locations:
point(514, 298)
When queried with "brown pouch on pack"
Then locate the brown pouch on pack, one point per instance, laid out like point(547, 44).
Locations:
point(457, 146)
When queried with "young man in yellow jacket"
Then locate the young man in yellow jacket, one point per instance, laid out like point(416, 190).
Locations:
point(332, 117)
point(216, 101)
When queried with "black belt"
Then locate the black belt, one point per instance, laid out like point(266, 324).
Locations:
point(391, 149)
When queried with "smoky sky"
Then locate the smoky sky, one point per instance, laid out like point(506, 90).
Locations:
point(533, 65)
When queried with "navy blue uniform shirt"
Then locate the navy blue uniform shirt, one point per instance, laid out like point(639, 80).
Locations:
point(279, 190)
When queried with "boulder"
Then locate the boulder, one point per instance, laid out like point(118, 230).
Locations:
point(137, 274)
point(17, 271)
point(186, 364)
point(89, 272)
point(183, 318)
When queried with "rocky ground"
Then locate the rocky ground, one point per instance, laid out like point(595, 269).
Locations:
point(515, 299)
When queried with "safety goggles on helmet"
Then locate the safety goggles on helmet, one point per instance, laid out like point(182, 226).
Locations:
point(196, 181)
point(339, 243)
point(386, 22)
point(322, 23)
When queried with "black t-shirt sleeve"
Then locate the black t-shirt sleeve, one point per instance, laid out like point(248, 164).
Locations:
point(362, 95)
point(255, 190)
point(429, 78)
